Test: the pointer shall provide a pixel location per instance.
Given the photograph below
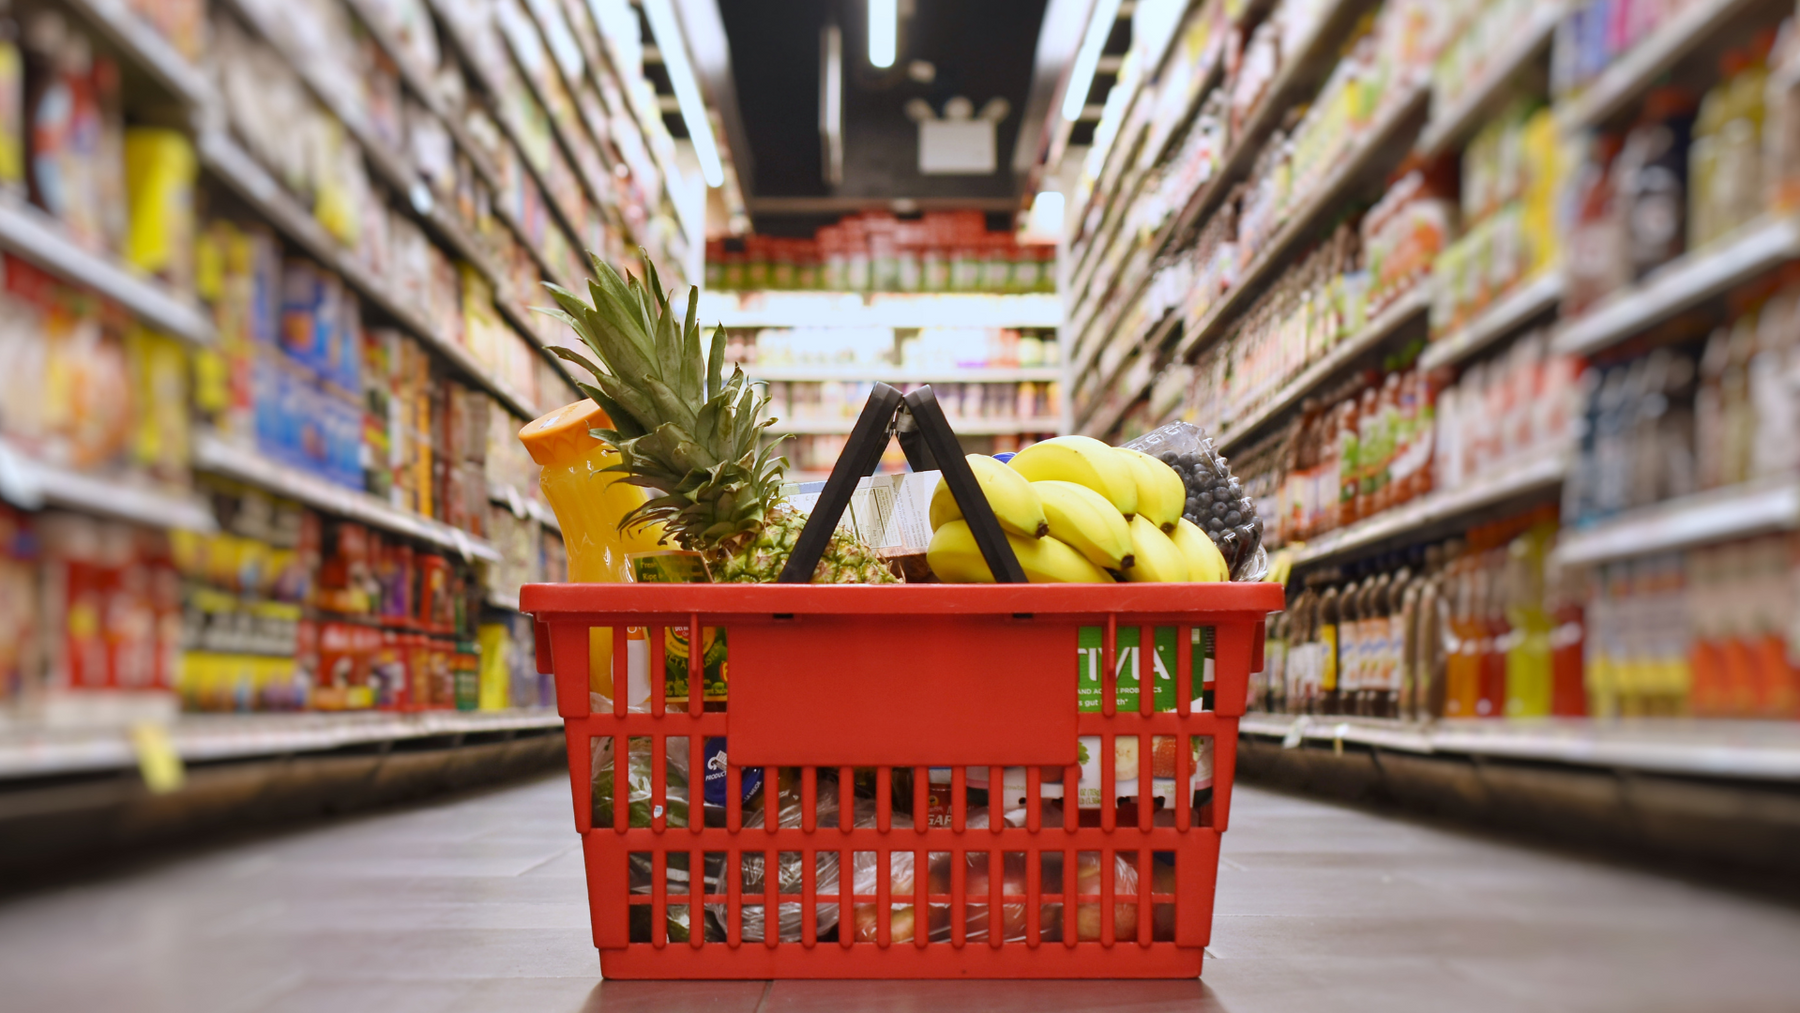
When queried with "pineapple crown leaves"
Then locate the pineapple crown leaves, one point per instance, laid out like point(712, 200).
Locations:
point(690, 437)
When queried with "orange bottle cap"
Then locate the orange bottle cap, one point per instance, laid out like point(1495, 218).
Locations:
point(562, 435)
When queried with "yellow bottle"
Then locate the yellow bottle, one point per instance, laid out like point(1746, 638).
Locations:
point(588, 506)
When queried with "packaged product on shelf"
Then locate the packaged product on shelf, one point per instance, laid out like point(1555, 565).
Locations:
point(20, 634)
point(1781, 124)
point(1663, 425)
point(1726, 159)
point(160, 168)
point(76, 133)
point(12, 107)
point(108, 600)
point(1482, 628)
point(1512, 180)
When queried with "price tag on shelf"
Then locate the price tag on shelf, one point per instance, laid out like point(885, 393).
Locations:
point(463, 547)
point(158, 761)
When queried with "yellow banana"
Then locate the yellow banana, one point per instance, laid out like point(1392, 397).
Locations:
point(1085, 520)
point(1084, 461)
point(1205, 562)
point(956, 559)
point(1016, 505)
point(1161, 493)
point(1158, 560)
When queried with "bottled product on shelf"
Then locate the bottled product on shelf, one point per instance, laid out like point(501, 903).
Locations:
point(1702, 414)
point(1465, 628)
point(1512, 174)
point(942, 251)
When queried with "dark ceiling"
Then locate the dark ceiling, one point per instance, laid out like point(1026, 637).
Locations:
point(980, 49)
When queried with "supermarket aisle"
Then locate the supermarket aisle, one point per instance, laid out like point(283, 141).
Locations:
point(477, 905)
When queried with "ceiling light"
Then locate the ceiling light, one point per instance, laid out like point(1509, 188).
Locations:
point(1087, 59)
point(687, 90)
point(884, 31)
point(1047, 213)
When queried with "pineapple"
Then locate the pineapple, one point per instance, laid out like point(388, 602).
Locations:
point(689, 434)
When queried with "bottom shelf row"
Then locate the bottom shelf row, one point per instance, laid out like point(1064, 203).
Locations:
point(271, 606)
point(1514, 620)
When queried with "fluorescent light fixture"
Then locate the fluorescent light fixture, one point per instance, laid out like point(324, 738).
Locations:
point(884, 31)
point(1087, 59)
point(687, 90)
point(1047, 213)
point(831, 104)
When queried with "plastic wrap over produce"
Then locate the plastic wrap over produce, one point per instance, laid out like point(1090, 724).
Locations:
point(1216, 502)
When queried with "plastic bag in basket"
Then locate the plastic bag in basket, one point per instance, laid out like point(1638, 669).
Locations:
point(639, 805)
point(789, 918)
point(1215, 500)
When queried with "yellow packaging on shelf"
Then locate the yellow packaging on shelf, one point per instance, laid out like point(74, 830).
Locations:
point(496, 659)
point(160, 168)
point(12, 115)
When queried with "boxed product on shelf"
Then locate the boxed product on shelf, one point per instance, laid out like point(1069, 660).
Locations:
point(160, 168)
point(82, 388)
point(19, 606)
point(111, 613)
point(75, 132)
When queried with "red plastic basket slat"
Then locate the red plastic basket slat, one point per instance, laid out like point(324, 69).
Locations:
point(912, 677)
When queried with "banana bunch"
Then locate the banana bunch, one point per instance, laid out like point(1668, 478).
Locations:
point(1077, 511)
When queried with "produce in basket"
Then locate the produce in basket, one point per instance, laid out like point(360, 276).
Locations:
point(1161, 493)
point(1077, 486)
point(1086, 521)
point(956, 559)
point(1015, 503)
point(689, 434)
point(1215, 501)
point(1084, 461)
point(1158, 560)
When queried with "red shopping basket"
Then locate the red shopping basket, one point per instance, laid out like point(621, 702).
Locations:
point(937, 775)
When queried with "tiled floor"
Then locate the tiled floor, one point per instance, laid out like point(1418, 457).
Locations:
point(478, 905)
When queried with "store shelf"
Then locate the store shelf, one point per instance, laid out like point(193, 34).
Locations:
point(1718, 515)
point(963, 427)
point(1452, 123)
point(419, 81)
point(893, 375)
point(1761, 750)
point(1305, 217)
point(1632, 74)
point(1504, 316)
point(144, 46)
point(1273, 254)
point(855, 309)
point(31, 484)
point(1696, 276)
point(214, 454)
point(1521, 478)
point(1248, 141)
point(231, 163)
point(37, 237)
point(523, 506)
point(1410, 307)
point(451, 30)
point(1122, 197)
point(204, 738)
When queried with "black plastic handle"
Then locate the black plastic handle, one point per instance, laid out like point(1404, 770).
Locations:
point(928, 441)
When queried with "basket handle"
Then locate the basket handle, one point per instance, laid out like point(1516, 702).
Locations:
point(927, 439)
